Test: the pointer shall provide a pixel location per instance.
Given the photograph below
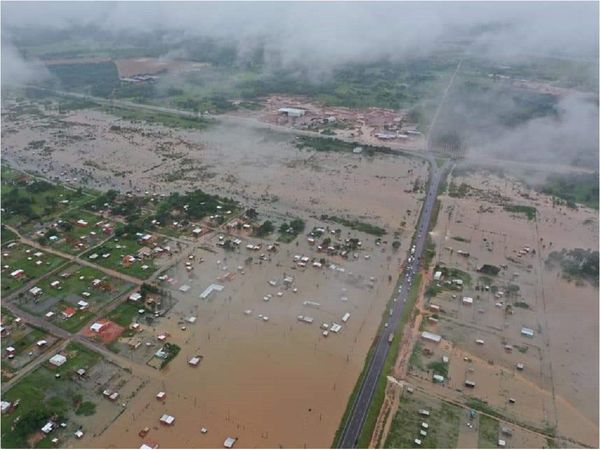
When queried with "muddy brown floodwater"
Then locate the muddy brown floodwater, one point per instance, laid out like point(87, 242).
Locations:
point(559, 386)
point(269, 383)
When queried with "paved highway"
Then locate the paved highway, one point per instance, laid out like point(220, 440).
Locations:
point(358, 412)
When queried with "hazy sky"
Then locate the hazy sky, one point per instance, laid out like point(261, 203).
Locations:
point(339, 30)
point(323, 35)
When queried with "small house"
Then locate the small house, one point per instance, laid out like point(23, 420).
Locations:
point(291, 112)
point(527, 332)
point(96, 327)
point(431, 337)
point(58, 360)
point(194, 361)
point(48, 427)
point(229, 442)
point(166, 419)
point(136, 296)
point(69, 312)
point(83, 304)
point(17, 273)
point(5, 406)
point(35, 291)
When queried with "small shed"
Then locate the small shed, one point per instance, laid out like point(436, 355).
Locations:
point(166, 419)
point(194, 361)
point(431, 337)
point(527, 332)
point(58, 360)
point(96, 327)
point(229, 442)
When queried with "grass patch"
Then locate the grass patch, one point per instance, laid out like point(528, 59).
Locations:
point(458, 191)
point(289, 231)
point(158, 118)
point(118, 249)
point(124, 313)
point(521, 305)
point(23, 257)
point(529, 211)
point(452, 273)
point(444, 423)
point(36, 405)
point(429, 252)
point(86, 409)
point(488, 432)
point(323, 144)
point(439, 368)
point(172, 351)
point(356, 225)
point(416, 360)
point(576, 264)
point(461, 239)
point(573, 188)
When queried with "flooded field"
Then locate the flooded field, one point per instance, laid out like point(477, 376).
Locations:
point(249, 164)
point(526, 336)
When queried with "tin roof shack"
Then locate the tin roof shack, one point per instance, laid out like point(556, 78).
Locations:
point(431, 337)
point(213, 287)
point(166, 419)
point(58, 360)
point(527, 332)
point(291, 112)
point(229, 442)
point(194, 361)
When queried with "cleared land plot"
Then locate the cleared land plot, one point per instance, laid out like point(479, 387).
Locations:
point(33, 263)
